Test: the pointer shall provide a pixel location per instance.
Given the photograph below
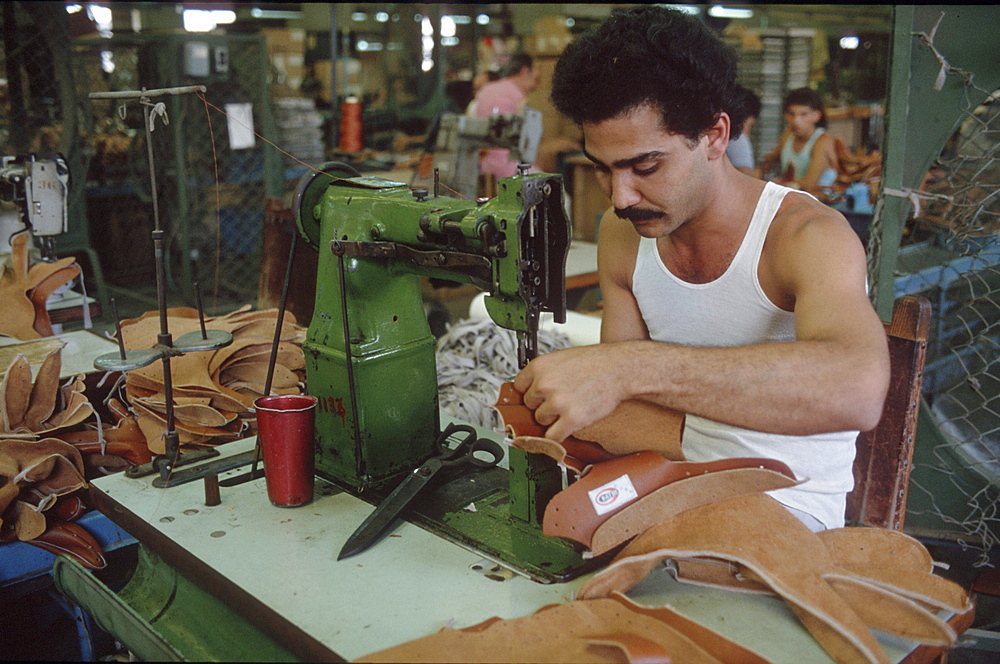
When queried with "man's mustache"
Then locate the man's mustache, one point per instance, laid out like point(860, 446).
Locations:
point(638, 214)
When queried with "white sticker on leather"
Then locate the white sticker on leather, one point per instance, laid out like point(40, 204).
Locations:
point(614, 494)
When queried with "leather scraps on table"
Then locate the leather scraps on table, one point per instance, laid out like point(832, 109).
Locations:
point(24, 289)
point(614, 629)
point(213, 391)
point(839, 584)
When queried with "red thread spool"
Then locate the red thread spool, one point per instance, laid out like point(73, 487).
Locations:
point(350, 125)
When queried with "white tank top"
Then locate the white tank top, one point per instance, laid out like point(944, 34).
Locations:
point(733, 310)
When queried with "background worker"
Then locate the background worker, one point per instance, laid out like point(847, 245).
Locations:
point(740, 148)
point(738, 302)
point(806, 156)
point(506, 95)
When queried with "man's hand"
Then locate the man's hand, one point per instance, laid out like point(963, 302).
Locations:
point(572, 388)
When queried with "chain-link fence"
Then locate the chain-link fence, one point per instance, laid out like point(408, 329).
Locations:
point(213, 232)
point(212, 173)
point(950, 253)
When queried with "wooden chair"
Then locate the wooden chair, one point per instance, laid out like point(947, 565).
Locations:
point(884, 454)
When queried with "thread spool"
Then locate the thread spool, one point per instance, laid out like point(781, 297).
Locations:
point(350, 125)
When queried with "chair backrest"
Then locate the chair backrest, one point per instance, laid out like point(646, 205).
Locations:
point(884, 454)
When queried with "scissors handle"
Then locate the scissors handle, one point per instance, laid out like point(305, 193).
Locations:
point(466, 450)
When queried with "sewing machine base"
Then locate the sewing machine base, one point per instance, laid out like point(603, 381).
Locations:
point(474, 511)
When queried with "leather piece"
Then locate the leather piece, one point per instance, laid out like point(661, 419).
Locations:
point(593, 631)
point(674, 498)
point(124, 440)
point(634, 426)
point(573, 513)
point(24, 289)
point(529, 435)
point(15, 394)
point(42, 403)
point(72, 539)
point(757, 534)
point(68, 508)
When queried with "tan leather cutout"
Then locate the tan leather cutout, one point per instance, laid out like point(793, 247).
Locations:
point(568, 633)
point(758, 534)
point(24, 289)
point(44, 391)
point(15, 393)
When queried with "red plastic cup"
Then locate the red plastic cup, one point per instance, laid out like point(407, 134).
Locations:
point(286, 426)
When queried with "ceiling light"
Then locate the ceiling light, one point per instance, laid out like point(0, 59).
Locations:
point(850, 43)
point(483, 19)
point(257, 12)
point(718, 11)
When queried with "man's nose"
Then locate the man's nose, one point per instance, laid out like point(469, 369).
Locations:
point(623, 192)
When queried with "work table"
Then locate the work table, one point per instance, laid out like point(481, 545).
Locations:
point(279, 566)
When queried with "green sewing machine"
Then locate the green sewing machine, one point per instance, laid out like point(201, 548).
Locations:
point(370, 352)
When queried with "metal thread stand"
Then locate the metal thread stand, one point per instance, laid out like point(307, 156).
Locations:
point(165, 347)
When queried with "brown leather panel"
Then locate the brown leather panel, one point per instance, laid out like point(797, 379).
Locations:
point(73, 540)
point(855, 548)
point(683, 495)
point(636, 425)
point(572, 514)
point(885, 610)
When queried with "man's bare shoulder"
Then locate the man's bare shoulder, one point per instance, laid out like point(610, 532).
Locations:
point(800, 212)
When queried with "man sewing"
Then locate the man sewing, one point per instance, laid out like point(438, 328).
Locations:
point(740, 303)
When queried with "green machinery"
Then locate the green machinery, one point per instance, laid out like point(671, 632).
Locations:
point(370, 353)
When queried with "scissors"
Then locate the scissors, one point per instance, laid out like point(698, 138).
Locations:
point(385, 515)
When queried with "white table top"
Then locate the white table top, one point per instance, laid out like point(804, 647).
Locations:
point(411, 583)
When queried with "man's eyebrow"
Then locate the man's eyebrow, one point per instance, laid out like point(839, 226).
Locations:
point(626, 163)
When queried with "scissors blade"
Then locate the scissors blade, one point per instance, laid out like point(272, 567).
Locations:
point(385, 515)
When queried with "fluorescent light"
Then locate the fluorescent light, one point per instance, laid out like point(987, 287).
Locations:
point(73, 9)
point(718, 11)
point(206, 20)
point(447, 27)
point(257, 12)
point(359, 16)
point(460, 19)
point(449, 41)
point(850, 43)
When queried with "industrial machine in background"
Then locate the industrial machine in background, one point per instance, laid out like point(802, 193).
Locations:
point(37, 191)
point(461, 137)
point(370, 352)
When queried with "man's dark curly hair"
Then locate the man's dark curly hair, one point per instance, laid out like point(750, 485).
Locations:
point(649, 54)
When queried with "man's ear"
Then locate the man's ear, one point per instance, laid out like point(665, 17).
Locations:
point(717, 136)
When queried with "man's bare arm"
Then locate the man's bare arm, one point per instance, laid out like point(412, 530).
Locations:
point(832, 378)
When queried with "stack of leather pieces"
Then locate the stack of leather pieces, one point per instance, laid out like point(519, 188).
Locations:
point(213, 391)
point(42, 475)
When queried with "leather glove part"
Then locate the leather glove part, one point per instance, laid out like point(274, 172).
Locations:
point(760, 536)
point(614, 629)
point(31, 407)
